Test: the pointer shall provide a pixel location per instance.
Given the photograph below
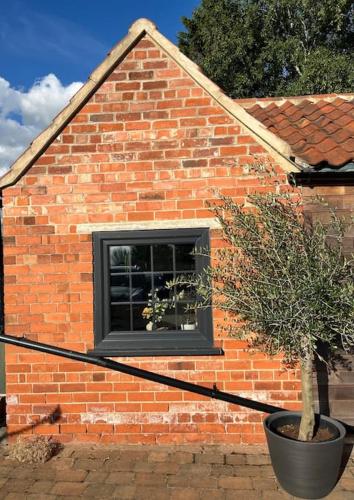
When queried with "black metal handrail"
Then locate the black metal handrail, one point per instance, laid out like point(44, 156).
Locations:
point(138, 372)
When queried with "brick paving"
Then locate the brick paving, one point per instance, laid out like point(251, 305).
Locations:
point(151, 472)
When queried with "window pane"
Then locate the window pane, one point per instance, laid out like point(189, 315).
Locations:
point(186, 318)
point(141, 259)
point(139, 321)
point(163, 257)
point(168, 321)
point(160, 281)
point(185, 292)
point(120, 290)
point(141, 286)
point(185, 261)
point(120, 258)
point(158, 316)
point(120, 318)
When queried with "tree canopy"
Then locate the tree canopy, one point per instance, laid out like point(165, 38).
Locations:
point(256, 48)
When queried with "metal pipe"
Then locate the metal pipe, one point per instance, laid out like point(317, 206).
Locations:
point(138, 372)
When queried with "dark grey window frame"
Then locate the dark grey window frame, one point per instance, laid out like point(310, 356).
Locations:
point(113, 343)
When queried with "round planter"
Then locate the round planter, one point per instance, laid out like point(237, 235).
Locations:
point(304, 469)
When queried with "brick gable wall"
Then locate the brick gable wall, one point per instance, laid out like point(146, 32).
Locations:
point(147, 149)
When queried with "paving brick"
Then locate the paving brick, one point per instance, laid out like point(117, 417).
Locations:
point(183, 457)
point(96, 477)
point(257, 459)
point(118, 466)
point(210, 458)
point(19, 485)
point(41, 487)
point(150, 479)
point(154, 480)
point(65, 488)
point(120, 477)
point(63, 463)
point(235, 483)
point(276, 495)
point(264, 484)
point(99, 491)
point(40, 496)
point(254, 471)
point(158, 456)
point(184, 494)
point(241, 495)
point(124, 492)
point(339, 495)
point(212, 494)
point(199, 481)
point(88, 464)
point(347, 483)
point(236, 459)
point(222, 470)
point(151, 493)
point(167, 468)
point(197, 469)
point(71, 475)
point(15, 496)
point(144, 467)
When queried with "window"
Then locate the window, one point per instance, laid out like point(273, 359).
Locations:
point(135, 311)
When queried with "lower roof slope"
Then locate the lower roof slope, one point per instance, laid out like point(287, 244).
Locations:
point(319, 129)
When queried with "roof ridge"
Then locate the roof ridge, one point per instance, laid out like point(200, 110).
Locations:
point(248, 102)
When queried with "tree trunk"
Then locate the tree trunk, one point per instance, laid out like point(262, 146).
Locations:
point(308, 411)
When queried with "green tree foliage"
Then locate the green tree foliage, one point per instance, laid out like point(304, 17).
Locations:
point(255, 48)
point(282, 282)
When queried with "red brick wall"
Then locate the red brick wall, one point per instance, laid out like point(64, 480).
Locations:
point(149, 146)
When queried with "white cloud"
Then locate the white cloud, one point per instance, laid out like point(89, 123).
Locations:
point(23, 115)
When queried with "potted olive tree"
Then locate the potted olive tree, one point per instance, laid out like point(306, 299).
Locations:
point(284, 284)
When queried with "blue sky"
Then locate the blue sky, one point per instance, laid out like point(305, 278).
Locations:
point(70, 37)
point(47, 49)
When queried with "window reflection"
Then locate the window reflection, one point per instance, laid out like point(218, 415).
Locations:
point(163, 257)
point(140, 298)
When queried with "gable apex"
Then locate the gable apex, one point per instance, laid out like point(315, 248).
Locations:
point(278, 148)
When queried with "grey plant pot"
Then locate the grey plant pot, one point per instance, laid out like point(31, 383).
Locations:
point(304, 469)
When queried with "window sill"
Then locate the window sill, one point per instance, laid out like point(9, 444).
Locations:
point(203, 351)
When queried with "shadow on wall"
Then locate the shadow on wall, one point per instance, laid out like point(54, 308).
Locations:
point(53, 417)
point(335, 387)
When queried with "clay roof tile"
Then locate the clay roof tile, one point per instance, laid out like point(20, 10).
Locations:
point(319, 129)
point(338, 157)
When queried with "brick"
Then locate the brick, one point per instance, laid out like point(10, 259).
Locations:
point(185, 494)
point(65, 488)
point(235, 483)
point(141, 75)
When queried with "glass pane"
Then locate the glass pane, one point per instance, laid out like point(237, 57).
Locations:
point(163, 257)
point(120, 289)
point(160, 281)
point(141, 260)
point(120, 318)
point(184, 291)
point(141, 287)
point(120, 258)
point(185, 261)
point(168, 321)
point(140, 321)
point(153, 317)
point(186, 317)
